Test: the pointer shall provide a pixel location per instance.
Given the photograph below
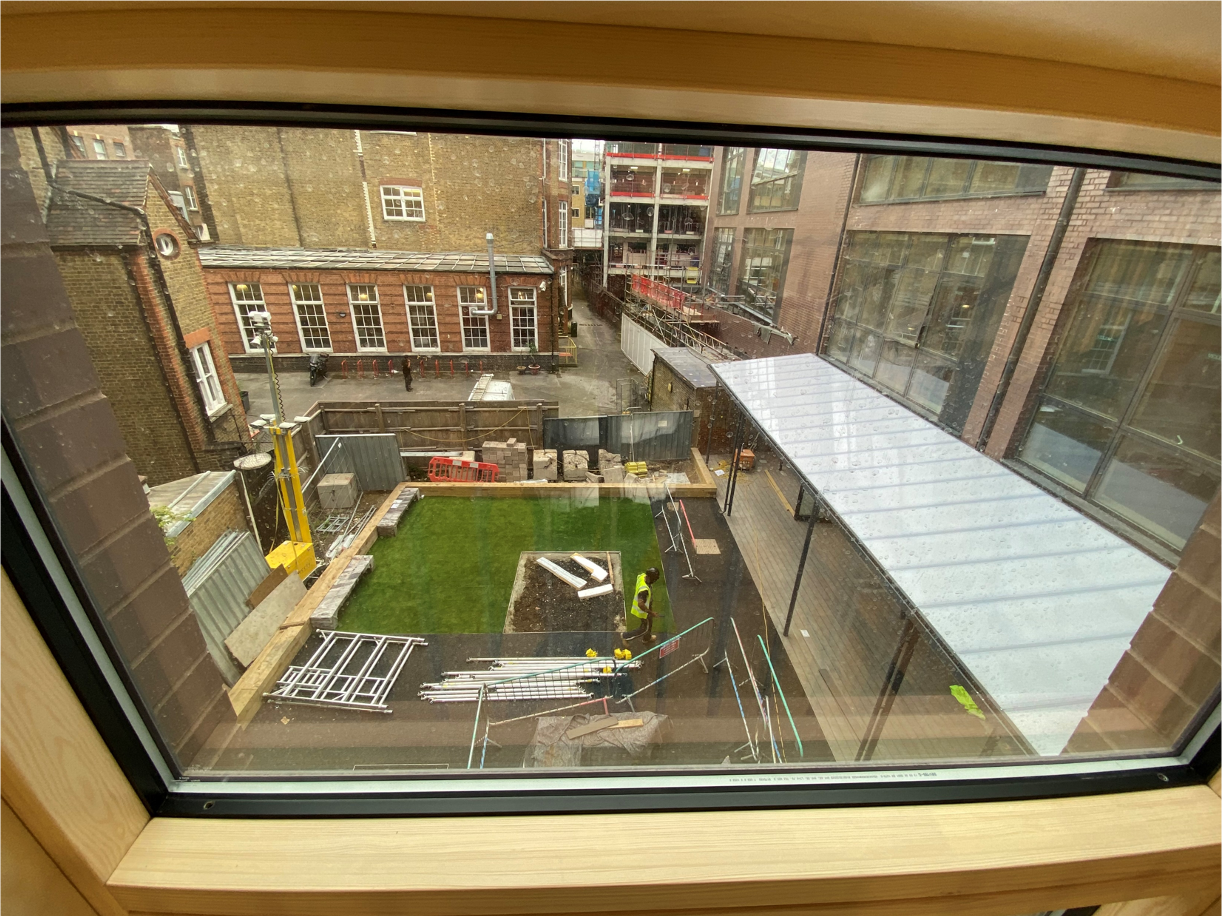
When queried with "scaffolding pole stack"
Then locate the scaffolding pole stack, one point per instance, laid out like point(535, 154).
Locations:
point(675, 530)
point(525, 679)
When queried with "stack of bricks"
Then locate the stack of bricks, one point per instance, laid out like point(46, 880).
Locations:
point(611, 466)
point(576, 466)
point(510, 459)
point(544, 465)
point(388, 527)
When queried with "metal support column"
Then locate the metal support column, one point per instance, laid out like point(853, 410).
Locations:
point(734, 472)
point(797, 581)
point(734, 446)
point(708, 444)
point(909, 637)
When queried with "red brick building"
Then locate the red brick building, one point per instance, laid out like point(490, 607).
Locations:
point(362, 304)
point(133, 276)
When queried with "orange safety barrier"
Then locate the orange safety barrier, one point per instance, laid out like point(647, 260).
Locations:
point(455, 469)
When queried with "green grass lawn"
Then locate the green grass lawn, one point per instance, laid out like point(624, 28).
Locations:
point(452, 565)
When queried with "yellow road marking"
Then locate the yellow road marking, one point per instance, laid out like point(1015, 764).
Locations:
point(779, 494)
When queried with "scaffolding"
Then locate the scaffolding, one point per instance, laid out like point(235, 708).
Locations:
point(349, 670)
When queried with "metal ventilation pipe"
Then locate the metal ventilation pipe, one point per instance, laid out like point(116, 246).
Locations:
point(491, 283)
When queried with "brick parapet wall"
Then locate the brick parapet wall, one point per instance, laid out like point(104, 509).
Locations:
point(74, 448)
point(227, 512)
point(1171, 668)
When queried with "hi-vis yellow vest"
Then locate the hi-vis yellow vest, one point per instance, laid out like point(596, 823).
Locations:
point(641, 586)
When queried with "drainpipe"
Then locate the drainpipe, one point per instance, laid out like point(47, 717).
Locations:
point(495, 310)
point(1033, 304)
point(360, 158)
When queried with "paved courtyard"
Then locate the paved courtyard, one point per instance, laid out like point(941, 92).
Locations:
point(585, 390)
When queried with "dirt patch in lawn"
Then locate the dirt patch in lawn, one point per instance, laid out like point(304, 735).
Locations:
point(542, 603)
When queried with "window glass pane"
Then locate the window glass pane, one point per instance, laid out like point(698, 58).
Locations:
point(948, 177)
point(1203, 295)
point(1065, 444)
point(876, 182)
point(1159, 491)
point(889, 401)
point(1117, 323)
point(311, 318)
point(1146, 182)
point(1180, 404)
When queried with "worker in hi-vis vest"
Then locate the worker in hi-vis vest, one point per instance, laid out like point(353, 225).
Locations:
point(642, 605)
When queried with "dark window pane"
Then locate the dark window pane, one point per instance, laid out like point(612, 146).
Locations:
point(1065, 444)
point(994, 177)
point(865, 351)
point(913, 293)
point(1180, 403)
point(948, 177)
point(1203, 294)
point(1117, 325)
point(909, 177)
point(931, 377)
point(841, 341)
point(1157, 490)
point(876, 183)
point(731, 180)
point(1144, 182)
point(953, 310)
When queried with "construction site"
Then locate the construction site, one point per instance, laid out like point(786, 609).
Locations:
point(453, 583)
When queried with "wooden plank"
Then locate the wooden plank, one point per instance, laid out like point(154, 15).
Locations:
point(246, 695)
point(590, 727)
point(30, 883)
point(973, 859)
point(55, 772)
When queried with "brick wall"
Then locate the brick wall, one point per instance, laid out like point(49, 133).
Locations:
point(160, 147)
point(816, 225)
point(271, 187)
point(1172, 666)
point(112, 322)
point(390, 283)
point(32, 162)
point(71, 441)
point(219, 438)
point(225, 513)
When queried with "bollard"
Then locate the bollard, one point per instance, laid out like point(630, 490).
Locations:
point(375, 368)
point(451, 368)
point(343, 368)
point(436, 368)
point(360, 369)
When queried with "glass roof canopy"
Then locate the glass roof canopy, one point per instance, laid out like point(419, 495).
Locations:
point(1037, 601)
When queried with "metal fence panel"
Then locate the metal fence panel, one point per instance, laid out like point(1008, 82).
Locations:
point(373, 458)
point(637, 344)
point(663, 435)
point(217, 586)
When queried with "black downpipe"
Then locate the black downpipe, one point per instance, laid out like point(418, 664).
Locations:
point(1033, 304)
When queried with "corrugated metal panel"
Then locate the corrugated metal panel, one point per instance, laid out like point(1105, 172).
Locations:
point(1037, 600)
point(638, 344)
point(663, 435)
point(217, 586)
point(373, 458)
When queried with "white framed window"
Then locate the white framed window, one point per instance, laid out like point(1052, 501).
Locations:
point(422, 317)
point(188, 194)
point(474, 327)
point(206, 378)
point(247, 298)
point(399, 202)
point(182, 157)
point(562, 224)
point(366, 316)
point(120, 150)
point(99, 148)
point(522, 318)
point(311, 317)
point(564, 160)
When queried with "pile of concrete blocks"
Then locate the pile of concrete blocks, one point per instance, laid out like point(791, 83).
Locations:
point(326, 615)
point(510, 458)
point(544, 467)
point(576, 466)
point(388, 527)
point(611, 465)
